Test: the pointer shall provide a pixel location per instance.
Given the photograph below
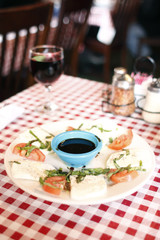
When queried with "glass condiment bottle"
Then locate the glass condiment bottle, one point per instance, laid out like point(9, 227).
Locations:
point(151, 109)
point(122, 101)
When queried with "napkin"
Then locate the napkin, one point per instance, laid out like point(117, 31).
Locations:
point(9, 113)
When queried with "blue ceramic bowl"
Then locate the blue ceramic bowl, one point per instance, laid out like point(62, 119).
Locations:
point(76, 159)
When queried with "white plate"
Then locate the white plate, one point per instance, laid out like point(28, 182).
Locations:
point(114, 192)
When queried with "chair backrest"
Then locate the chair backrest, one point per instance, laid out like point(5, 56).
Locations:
point(71, 28)
point(123, 13)
point(20, 29)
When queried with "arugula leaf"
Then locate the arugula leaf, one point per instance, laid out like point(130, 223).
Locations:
point(42, 145)
point(116, 159)
point(46, 145)
point(28, 148)
point(82, 173)
point(100, 128)
point(110, 140)
point(16, 162)
point(80, 126)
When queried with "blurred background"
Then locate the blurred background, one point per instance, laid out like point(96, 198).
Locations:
point(141, 37)
point(97, 36)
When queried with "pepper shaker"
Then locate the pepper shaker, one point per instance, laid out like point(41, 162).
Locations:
point(151, 110)
point(122, 100)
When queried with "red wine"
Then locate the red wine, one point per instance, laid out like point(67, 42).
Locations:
point(46, 71)
point(76, 145)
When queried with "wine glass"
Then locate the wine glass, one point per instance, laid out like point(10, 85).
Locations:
point(46, 64)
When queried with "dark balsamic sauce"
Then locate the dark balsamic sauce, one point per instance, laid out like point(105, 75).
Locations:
point(76, 145)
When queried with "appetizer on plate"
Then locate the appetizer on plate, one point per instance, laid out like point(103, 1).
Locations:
point(38, 162)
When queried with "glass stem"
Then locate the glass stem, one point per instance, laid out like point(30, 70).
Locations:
point(48, 89)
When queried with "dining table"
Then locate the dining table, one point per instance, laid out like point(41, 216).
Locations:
point(25, 216)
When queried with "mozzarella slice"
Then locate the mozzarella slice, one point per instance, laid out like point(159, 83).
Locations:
point(90, 187)
point(40, 133)
point(123, 159)
point(28, 169)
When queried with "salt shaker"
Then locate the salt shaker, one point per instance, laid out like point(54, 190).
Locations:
point(122, 100)
point(151, 109)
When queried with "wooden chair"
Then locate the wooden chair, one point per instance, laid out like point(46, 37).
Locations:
point(153, 42)
point(71, 31)
point(122, 15)
point(20, 29)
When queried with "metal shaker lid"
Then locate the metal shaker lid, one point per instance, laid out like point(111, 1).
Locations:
point(155, 86)
point(120, 70)
point(123, 80)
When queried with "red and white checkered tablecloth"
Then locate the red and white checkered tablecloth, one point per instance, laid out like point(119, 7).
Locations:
point(24, 217)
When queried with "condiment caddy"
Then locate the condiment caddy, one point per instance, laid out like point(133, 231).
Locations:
point(120, 97)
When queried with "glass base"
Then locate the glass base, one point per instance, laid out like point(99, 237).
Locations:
point(48, 108)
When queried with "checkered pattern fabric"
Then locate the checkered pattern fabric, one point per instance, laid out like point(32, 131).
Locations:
point(24, 217)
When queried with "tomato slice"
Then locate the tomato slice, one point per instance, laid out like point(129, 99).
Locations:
point(124, 176)
point(122, 141)
point(16, 149)
point(40, 155)
point(57, 184)
point(70, 128)
point(35, 154)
